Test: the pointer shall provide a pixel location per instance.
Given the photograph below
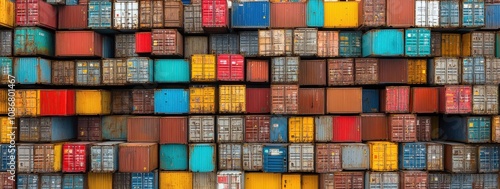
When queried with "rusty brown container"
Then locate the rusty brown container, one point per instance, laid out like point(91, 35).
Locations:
point(257, 128)
point(402, 127)
point(328, 157)
point(326, 181)
point(138, 157)
point(151, 14)
point(63, 72)
point(417, 71)
point(167, 42)
point(195, 45)
point(281, 17)
point(372, 13)
point(460, 158)
point(143, 129)
point(328, 43)
point(174, 14)
point(366, 70)
point(393, 71)
point(413, 180)
point(374, 127)
point(312, 101)
point(143, 101)
point(424, 126)
point(72, 17)
point(312, 72)
point(436, 39)
point(89, 129)
point(114, 71)
point(401, 13)
point(257, 70)
point(173, 130)
point(340, 72)
point(344, 100)
point(451, 44)
point(424, 100)
point(348, 180)
point(121, 101)
point(284, 99)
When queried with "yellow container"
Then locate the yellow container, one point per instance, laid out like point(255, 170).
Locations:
point(202, 99)
point(310, 182)
point(383, 156)
point(7, 15)
point(341, 14)
point(41, 154)
point(291, 181)
point(4, 103)
point(417, 71)
point(262, 181)
point(176, 180)
point(301, 129)
point(450, 44)
point(495, 129)
point(93, 102)
point(6, 129)
point(203, 67)
point(100, 180)
point(27, 103)
point(232, 99)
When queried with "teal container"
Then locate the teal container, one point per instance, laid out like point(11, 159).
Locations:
point(202, 158)
point(350, 43)
point(31, 41)
point(417, 42)
point(383, 43)
point(171, 71)
point(173, 157)
point(5, 69)
point(32, 70)
point(497, 45)
point(315, 13)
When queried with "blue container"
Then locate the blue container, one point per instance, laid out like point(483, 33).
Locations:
point(100, 14)
point(472, 13)
point(279, 129)
point(5, 69)
point(186, 2)
point(54, 129)
point(350, 43)
point(254, 14)
point(371, 100)
point(108, 46)
point(473, 70)
point(487, 180)
point(462, 181)
point(171, 101)
point(275, 158)
point(315, 13)
point(74, 181)
point(88, 72)
point(71, 2)
point(249, 43)
point(28, 181)
point(449, 14)
point(412, 156)
point(465, 129)
point(114, 127)
point(30, 41)
point(202, 158)
point(8, 157)
point(139, 70)
point(145, 180)
point(171, 71)
point(49, 181)
point(492, 16)
point(383, 43)
point(173, 157)
point(489, 159)
point(417, 42)
point(32, 70)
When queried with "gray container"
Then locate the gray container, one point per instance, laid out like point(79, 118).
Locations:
point(305, 42)
point(249, 43)
point(492, 69)
point(6, 43)
point(201, 129)
point(125, 46)
point(285, 70)
point(355, 156)
point(204, 180)
point(25, 155)
point(385, 180)
point(50, 181)
point(252, 157)
point(323, 128)
point(435, 156)
point(230, 156)
point(485, 99)
point(301, 158)
point(114, 72)
point(47, 129)
point(230, 128)
point(88, 72)
point(444, 71)
point(192, 19)
point(224, 44)
point(195, 45)
point(122, 181)
point(104, 157)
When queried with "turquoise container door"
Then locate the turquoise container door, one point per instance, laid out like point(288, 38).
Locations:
point(315, 13)
point(171, 71)
point(202, 158)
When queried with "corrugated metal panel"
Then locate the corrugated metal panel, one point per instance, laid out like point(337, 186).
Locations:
point(485, 99)
point(393, 71)
point(281, 19)
point(444, 70)
point(386, 180)
point(435, 157)
point(311, 101)
point(293, 181)
point(76, 157)
point(151, 14)
point(455, 99)
point(257, 129)
point(230, 179)
point(230, 67)
point(279, 129)
point(341, 14)
point(100, 14)
point(402, 127)
point(315, 13)
point(262, 180)
point(257, 71)
point(143, 101)
point(383, 156)
point(145, 180)
point(249, 43)
point(495, 129)
point(350, 43)
point(473, 70)
point(466, 129)
point(301, 158)
point(7, 131)
point(25, 155)
point(258, 100)
point(90, 44)
point(193, 19)
point(215, 15)
point(275, 42)
point(89, 129)
point(451, 45)
point(126, 15)
point(346, 129)
point(275, 158)
point(202, 158)
point(175, 16)
point(355, 157)
point(62, 102)
point(195, 45)
point(203, 68)
point(328, 157)
point(74, 181)
point(374, 127)
point(114, 127)
point(121, 101)
point(93, 102)
point(171, 101)
point(366, 70)
point(232, 98)
point(305, 42)
point(478, 44)
point(139, 70)
point(104, 157)
point(5, 69)
point(284, 99)
point(340, 72)
point(395, 99)
point(143, 129)
point(28, 104)
point(63, 72)
point(167, 42)
point(417, 71)
point(250, 14)
point(485, 180)
point(460, 158)
point(401, 13)
point(413, 179)
point(6, 42)
point(173, 157)
point(488, 159)
point(230, 157)
point(436, 44)
point(100, 180)
point(301, 129)
point(204, 180)
point(176, 180)
point(417, 42)
point(344, 100)
point(345, 180)
point(32, 70)
point(8, 19)
point(88, 72)
point(492, 16)
point(114, 71)
point(230, 128)
point(449, 14)
point(30, 181)
point(412, 156)
point(143, 42)
point(424, 126)
point(492, 69)
point(472, 13)
point(376, 42)
point(138, 157)
point(201, 129)
point(125, 45)
point(224, 44)
point(173, 130)
point(285, 69)
point(328, 42)
point(35, 13)
point(427, 13)
point(323, 128)
point(49, 181)
point(372, 13)
point(47, 129)
point(252, 157)
point(420, 95)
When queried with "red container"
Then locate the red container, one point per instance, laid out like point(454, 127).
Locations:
point(455, 99)
point(312, 101)
point(72, 17)
point(288, 15)
point(6, 182)
point(424, 100)
point(173, 130)
point(257, 128)
point(143, 129)
point(328, 157)
point(57, 102)
point(214, 15)
point(76, 157)
point(346, 128)
point(257, 100)
point(36, 13)
point(89, 129)
point(395, 99)
point(143, 42)
point(89, 44)
point(230, 67)
point(402, 128)
point(257, 71)
point(138, 157)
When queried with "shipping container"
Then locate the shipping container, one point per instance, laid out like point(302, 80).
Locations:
point(252, 157)
point(121, 101)
point(257, 100)
point(343, 100)
point(7, 20)
point(279, 129)
point(256, 129)
point(100, 14)
point(7, 42)
point(171, 101)
point(328, 42)
point(372, 13)
point(35, 13)
point(465, 129)
point(488, 159)
point(170, 180)
point(374, 127)
point(151, 14)
point(435, 157)
point(4, 105)
point(451, 45)
point(427, 13)
point(167, 42)
point(436, 44)
point(484, 180)
point(195, 45)
point(401, 14)
point(90, 44)
point(492, 70)
point(383, 156)
point(173, 130)
point(478, 44)
point(455, 99)
point(424, 100)
point(145, 180)
point(93, 102)
point(126, 15)
point(417, 42)
point(48, 181)
point(460, 158)
point(74, 181)
point(285, 69)
point(114, 71)
point(230, 157)
point(204, 180)
point(230, 128)
point(412, 156)
point(143, 42)
point(413, 179)
point(25, 158)
point(174, 157)
point(89, 128)
point(301, 158)
point(449, 13)
point(263, 180)
point(39, 158)
point(57, 102)
point(326, 180)
point(305, 42)
point(230, 179)
point(88, 72)
point(193, 19)
point(76, 157)
point(7, 129)
point(201, 129)
point(63, 72)
point(202, 158)
point(485, 99)
point(143, 101)
point(249, 41)
point(346, 129)
point(350, 43)
point(72, 17)
point(139, 70)
point(203, 68)
point(224, 44)
point(232, 99)
point(383, 42)
point(100, 180)
point(230, 67)
point(402, 127)
point(138, 157)
point(492, 16)
point(104, 157)
point(301, 129)
point(328, 157)
point(495, 129)
point(30, 181)
point(175, 16)
point(280, 17)
point(215, 15)
point(473, 70)
point(254, 14)
point(444, 70)
point(47, 129)
point(387, 180)
point(275, 42)
point(27, 103)
point(275, 158)
point(33, 41)
point(355, 156)
point(311, 101)
point(395, 99)
point(143, 129)
point(366, 70)
point(341, 14)
point(291, 181)
point(125, 45)
point(424, 126)
point(340, 72)
point(32, 70)
point(315, 13)
point(472, 13)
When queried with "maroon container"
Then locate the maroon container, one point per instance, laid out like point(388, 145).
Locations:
point(374, 127)
point(89, 129)
point(36, 13)
point(413, 180)
point(400, 13)
point(173, 130)
point(257, 100)
point(455, 99)
point(366, 70)
point(395, 99)
point(348, 180)
point(424, 100)
point(281, 16)
point(72, 17)
point(167, 42)
point(121, 101)
point(424, 126)
point(328, 157)
point(402, 128)
point(340, 72)
point(6, 182)
point(89, 44)
point(393, 71)
point(312, 72)
point(143, 101)
point(257, 128)
point(346, 128)
point(138, 157)
point(143, 129)
point(312, 101)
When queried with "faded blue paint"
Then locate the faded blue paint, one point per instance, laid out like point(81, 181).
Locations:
point(145, 180)
point(473, 70)
point(74, 181)
point(383, 43)
point(108, 46)
point(71, 2)
point(186, 2)
point(473, 13)
point(355, 156)
point(461, 181)
point(32, 70)
point(417, 42)
point(350, 43)
point(275, 158)
point(489, 159)
point(139, 70)
point(54, 129)
point(174, 157)
point(249, 43)
point(8, 157)
point(27, 181)
point(171, 71)
point(315, 13)
point(371, 100)
point(492, 16)
point(100, 14)
point(114, 127)
point(449, 14)
point(50, 181)
point(412, 156)
point(88, 72)
point(202, 158)
point(279, 129)
point(323, 128)
point(5, 69)
point(254, 14)
point(171, 101)
point(30, 41)
point(465, 129)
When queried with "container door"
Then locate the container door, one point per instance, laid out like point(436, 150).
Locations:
point(315, 13)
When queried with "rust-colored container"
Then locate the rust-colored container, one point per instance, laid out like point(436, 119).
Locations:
point(35, 13)
point(258, 70)
point(312, 101)
point(63, 72)
point(284, 99)
point(455, 99)
point(167, 42)
point(402, 128)
point(89, 129)
point(344, 100)
point(400, 13)
point(312, 72)
point(417, 71)
point(372, 13)
point(281, 17)
point(328, 157)
point(374, 127)
point(393, 71)
point(460, 158)
point(495, 129)
point(143, 101)
point(424, 126)
point(328, 43)
point(173, 130)
point(89, 44)
point(72, 17)
point(143, 129)
point(413, 180)
point(174, 14)
point(257, 128)
point(257, 100)
point(424, 100)
point(451, 44)
point(340, 71)
point(6, 182)
point(138, 157)
point(366, 70)
point(151, 14)
point(436, 49)
point(395, 99)
point(348, 180)
point(121, 101)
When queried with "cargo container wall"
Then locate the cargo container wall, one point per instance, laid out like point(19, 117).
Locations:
point(250, 14)
point(125, 45)
point(88, 72)
point(174, 14)
point(400, 14)
point(203, 68)
point(90, 44)
point(388, 180)
point(444, 71)
point(315, 13)
point(355, 157)
point(366, 70)
point(27, 181)
point(249, 43)
point(323, 128)
point(173, 157)
point(275, 158)
point(465, 129)
point(449, 14)
point(63, 72)
point(76, 181)
point(435, 157)
point(8, 157)
point(346, 129)
point(393, 71)
point(484, 180)
point(202, 158)
point(451, 44)
point(311, 101)
point(232, 99)
point(376, 42)
point(48, 181)
point(143, 129)
point(341, 14)
point(257, 100)
point(348, 179)
point(262, 180)
point(104, 157)
point(478, 44)
point(151, 14)
point(204, 180)
point(76, 157)
point(436, 44)
point(424, 100)
point(326, 180)
point(417, 42)
point(100, 180)
point(121, 181)
point(383, 156)
point(93, 102)
point(372, 13)
point(25, 156)
point(455, 99)
point(485, 99)
point(413, 179)
point(230, 179)
point(173, 130)
point(215, 15)
point(171, 101)
point(139, 70)
point(126, 15)
point(284, 99)
point(374, 127)
point(328, 43)
point(7, 42)
point(460, 158)
point(343, 100)
point(492, 16)
point(167, 42)
point(412, 156)
point(340, 72)
point(305, 42)
point(143, 42)
point(32, 70)
point(301, 158)
point(28, 104)
point(145, 180)
point(281, 19)
point(230, 67)
point(473, 70)
point(424, 128)
point(114, 71)
point(350, 43)
point(176, 180)
point(6, 130)
point(89, 129)
point(4, 105)
point(36, 13)
point(138, 157)
point(492, 70)
point(488, 159)
point(402, 127)
point(285, 69)
point(8, 19)
point(301, 129)
point(257, 71)
point(257, 129)
point(57, 102)
point(252, 157)
point(230, 157)
point(230, 128)
point(427, 13)
point(201, 129)
point(121, 101)
point(279, 129)
point(224, 44)
point(395, 99)
point(328, 157)
point(100, 14)
point(47, 129)
point(193, 19)
point(275, 42)
point(472, 13)
point(195, 45)
point(495, 129)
